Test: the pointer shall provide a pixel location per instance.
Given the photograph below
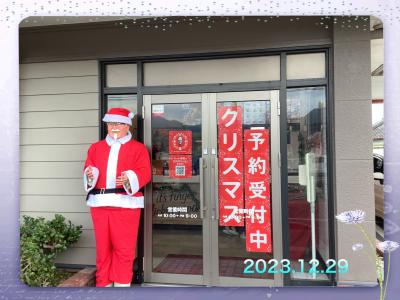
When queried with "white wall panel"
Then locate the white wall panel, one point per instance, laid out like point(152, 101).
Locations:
point(51, 169)
point(60, 136)
point(53, 152)
point(83, 118)
point(77, 256)
point(65, 85)
point(52, 187)
point(83, 219)
point(59, 102)
point(58, 69)
point(53, 203)
point(59, 119)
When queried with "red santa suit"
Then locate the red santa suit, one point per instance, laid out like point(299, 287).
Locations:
point(116, 215)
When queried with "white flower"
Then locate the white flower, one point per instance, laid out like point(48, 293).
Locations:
point(351, 216)
point(388, 246)
point(357, 247)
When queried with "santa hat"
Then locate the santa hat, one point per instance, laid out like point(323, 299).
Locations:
point(118, 114)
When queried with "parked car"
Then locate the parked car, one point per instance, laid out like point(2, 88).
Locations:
point(378, 167)
point(378, 188)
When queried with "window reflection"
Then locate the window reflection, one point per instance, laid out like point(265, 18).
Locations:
point(177, 239)
point(307, 177)
point(174, 117)
point(232, 239)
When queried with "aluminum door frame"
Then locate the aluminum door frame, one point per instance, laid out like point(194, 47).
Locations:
point(209, 154)
point(276, 186)
point(170, 278)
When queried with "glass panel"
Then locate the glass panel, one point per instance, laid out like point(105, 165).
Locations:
point(306, 66)
point(246, 232)
point(307, 171)
point(377, 85)
point(128, 102)
point(248, 69)
point(121, 75)
point(177, 226)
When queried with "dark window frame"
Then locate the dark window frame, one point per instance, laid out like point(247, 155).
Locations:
point(282, 85)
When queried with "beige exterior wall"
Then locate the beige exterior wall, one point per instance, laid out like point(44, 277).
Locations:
point(353, 149)
point(59, 118)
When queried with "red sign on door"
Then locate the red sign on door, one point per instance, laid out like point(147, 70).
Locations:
point(180, 166)
point(230, 141)
point(180, 142)
point(231, 213)
point(230, 117)
point(258, 238)
point(257, 140)
point(257, 190)
point(230, 166)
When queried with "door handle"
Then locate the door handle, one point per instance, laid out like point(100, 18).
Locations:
point(216, 202)
point(202, 207)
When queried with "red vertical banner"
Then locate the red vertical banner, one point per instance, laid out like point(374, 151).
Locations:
point(230, 166)
point(257, 190)
point(230, 116)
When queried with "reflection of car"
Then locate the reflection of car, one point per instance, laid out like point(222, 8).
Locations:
point(378, 187)
point(378, 167)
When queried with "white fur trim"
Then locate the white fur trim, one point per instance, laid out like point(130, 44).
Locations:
point(112, 165)
point(116, 284)
point(86, 186)
point(115, 200)
point(117, 118)
point(133, 181)
point(110, 140)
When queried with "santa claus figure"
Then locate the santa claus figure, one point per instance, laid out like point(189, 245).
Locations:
point(116, 168)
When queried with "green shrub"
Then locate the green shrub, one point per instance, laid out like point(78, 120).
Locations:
point(40, 241)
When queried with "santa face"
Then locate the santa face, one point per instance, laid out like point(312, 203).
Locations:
point(117, 130)
point(180, 140)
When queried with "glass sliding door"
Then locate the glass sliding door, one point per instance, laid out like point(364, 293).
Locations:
point(174, 219)
point(307, 181)
point(247, 197)
point(206, 148)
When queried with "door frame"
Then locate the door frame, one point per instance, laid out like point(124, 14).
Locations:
point(276, 207)
point(210, 222)
point(149, 275)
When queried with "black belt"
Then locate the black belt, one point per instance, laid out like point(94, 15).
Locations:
point(105, 191)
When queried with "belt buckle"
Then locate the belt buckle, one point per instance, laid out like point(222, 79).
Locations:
point(102, 190)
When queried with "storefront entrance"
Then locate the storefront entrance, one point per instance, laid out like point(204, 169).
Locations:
point(213, 209)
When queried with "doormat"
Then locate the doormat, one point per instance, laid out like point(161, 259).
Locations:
point(193, 265)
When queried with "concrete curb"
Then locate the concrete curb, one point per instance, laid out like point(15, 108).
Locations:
point(83, 278)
